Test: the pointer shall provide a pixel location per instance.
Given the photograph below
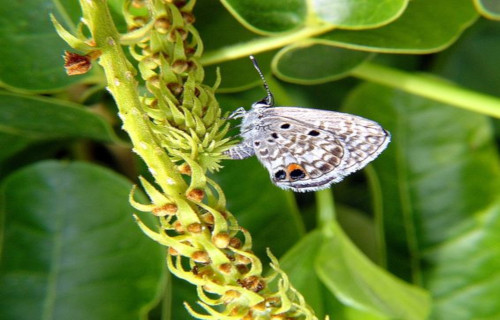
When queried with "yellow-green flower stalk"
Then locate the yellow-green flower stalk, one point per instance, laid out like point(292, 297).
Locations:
point(176, 127)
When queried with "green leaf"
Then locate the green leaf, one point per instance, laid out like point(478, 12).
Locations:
point(425, 26)
point(367, 291)
point(358, 282)
point(488, 8)
point(31, 51)
point(268, 16)
point(302, 257)
point(71, 249)
point(440, 183)
point(28, 120)
point(358, 14)
point(303, 62)
point(470, 62)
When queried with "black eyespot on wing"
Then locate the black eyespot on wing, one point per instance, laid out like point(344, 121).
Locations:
point(280, 175)
point(256, 143)
point(313, 133)
point(297, 174)
point(274, 135)
point(285, 126)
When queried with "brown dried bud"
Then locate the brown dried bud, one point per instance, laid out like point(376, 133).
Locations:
point(175, 88)
point(154, 81)
point(180, 66)
point(188, 17)
point(172, 36)
point(162, 25)
point(235, 243)
point(242, 269)
point(154, 104)
point(201, 257)
point(195, 227)
point(76, 64)
point(178, 227)
point(195, 195)
point(240, 259)
point(252, 283)
point(225, 268)
point(168, 209)
point(189, 51)
point(207, 218)
point(221, 240)
point(196, 90)
point(185, 169)
point(260, 306)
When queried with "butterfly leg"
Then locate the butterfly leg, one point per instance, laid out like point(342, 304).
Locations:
point(238, 113)
point(241, 151)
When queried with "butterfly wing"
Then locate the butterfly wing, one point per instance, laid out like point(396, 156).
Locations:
point(308, 149)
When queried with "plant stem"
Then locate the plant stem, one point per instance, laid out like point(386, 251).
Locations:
point(326, 207)
point(429, 87)
point(121, 81)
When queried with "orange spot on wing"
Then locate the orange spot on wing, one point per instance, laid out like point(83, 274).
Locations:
point(294, 166)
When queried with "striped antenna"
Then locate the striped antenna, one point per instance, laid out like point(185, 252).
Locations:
point(269, 99)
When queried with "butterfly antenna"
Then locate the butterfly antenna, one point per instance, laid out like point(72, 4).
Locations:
point(269, 98)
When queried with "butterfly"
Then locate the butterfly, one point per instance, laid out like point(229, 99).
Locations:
point(306, 149)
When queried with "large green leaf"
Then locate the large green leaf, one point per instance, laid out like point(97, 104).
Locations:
point(440, 186)
point(425, 26)
point(71, 249)
point(278, 16)
point(304, 62)
point(488, 8)
point(31, 51)
point(329, 258)
point(28, 120)
point(358, 282)
point(268, 16)
point(357, 14)
point(299, 264)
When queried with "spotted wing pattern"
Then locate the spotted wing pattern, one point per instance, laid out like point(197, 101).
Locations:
point(307, 149)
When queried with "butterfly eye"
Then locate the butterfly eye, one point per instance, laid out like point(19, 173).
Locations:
point(313, 133)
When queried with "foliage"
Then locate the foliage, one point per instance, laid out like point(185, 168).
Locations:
point(427, 211)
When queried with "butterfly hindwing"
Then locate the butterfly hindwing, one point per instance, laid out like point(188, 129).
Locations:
point(307, 149)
